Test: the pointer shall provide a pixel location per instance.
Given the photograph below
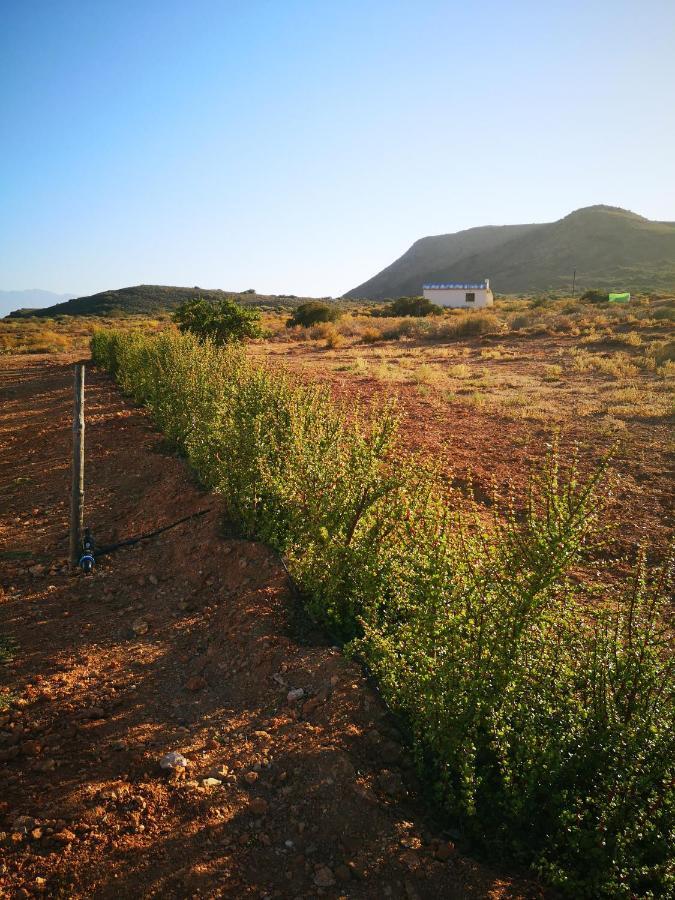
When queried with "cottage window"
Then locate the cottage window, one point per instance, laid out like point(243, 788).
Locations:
point(470, 298)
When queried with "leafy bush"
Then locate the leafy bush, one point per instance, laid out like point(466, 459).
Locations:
point(222, 321)
point(371, 336)
point(471, 324)
point(312, 313)
point(541, 709)
point(595, 296)
point(410, 306)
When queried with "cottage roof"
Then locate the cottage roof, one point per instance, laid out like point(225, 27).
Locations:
point(456, 285)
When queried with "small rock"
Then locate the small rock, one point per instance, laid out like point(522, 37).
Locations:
point(173, 760)
point(153, 579)
point(445, 852)
point(211, 782)
point(324, 877)
point(251, 777)
point(45, 765)
point(38, 569)
point(31, 748)
point(64, 837)
point(310, 706)
point(296, 694)
point(343, 873)
point(259, 806)
point(196, 683)
point(139, 626)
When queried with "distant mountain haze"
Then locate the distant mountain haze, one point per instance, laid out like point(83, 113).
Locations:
point(29, 299)
point(610, 248)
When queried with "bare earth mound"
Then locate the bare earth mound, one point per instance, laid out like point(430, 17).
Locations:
point(182, 643)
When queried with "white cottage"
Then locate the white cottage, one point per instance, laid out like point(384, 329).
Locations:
point(466, 296)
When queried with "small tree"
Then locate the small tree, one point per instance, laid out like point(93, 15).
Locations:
point(223, 322)
point(312, 313)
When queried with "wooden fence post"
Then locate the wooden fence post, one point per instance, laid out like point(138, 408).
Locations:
point(77, 489)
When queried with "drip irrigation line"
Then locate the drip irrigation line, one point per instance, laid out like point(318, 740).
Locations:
point(110, 548)
point(294, 588)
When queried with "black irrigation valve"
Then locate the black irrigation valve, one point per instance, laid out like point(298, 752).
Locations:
point(87, 558)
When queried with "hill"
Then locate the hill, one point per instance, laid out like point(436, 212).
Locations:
point(610, 248)
point(149, 299)
point(29, 299)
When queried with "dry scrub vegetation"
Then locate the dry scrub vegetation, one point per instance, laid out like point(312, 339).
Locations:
point(65, 334)
point(534, 360)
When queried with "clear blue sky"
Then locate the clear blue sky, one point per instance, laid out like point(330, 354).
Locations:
point(296, 146)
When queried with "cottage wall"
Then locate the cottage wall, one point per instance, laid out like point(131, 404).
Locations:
point(465, 296)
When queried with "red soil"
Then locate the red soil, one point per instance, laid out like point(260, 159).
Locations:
point(183, 642)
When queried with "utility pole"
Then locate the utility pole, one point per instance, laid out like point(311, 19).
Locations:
point(77, 487)
point(574, 282)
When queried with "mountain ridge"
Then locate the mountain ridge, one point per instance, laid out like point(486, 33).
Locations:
point(610, 247)
point(149, 299)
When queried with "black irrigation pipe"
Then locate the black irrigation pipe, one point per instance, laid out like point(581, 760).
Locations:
point(110, 548)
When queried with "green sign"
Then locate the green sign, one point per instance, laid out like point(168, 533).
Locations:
point(619, 298)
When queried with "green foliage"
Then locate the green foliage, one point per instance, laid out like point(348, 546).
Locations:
point(312, 313)
point(222, 322)
point(595, 296)
point(410, 306)
point(541, 709)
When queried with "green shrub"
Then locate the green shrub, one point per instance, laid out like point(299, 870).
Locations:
point(222, 321)
point(312, 313)
point(594, 296)
point(539, 703)
point(409, 306)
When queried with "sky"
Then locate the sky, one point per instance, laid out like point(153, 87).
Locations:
point(299, 147)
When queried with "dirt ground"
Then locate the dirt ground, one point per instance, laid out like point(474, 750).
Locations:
point(185, 642)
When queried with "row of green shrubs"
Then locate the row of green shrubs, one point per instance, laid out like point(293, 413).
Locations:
point(314, 312)
point(540, 709)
